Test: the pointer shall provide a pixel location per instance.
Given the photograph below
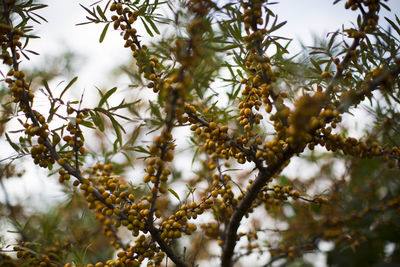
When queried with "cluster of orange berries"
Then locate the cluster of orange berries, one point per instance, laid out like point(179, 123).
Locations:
point(211, 230)
point(217, 143)
point(309, 120)
point(333, 224)
point(162, 153)
point(215, 139)
point(192, 50)
point(354, 147)
point(119, 209)
point(221, 187)
point(252, 14)
point(39, 152)
point(200, 7)
point(373, 7)
point(290, 251)
point(47, 256)
point(253, 241)
point(387, 79)
point(251, 99)
point(178, 223)
point(19, 87)
point(162, 147)
point(280, 193)
point(75, 140)
point(223, 197)
point(271, 151)
point(123, 20)
point(143, 249)
point(258, 85)
point(109, 230)
point(9, 38)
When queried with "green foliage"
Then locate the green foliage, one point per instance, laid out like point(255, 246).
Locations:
point(213, 84)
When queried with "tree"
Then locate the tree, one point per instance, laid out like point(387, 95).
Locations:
point(220, 72)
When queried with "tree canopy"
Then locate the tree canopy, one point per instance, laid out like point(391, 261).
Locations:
point(187, 165)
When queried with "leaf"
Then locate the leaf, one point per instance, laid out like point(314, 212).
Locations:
point(276, 27)
point(52, 111)
point(134, 135)
point(106, 96)
point(88, 10)
point(174, 193)
point(195, 156)
point(25, 55)
point(103, 33)
point(216, 213)
point(316, 66)
point(117, 127)
point(385, 6)
point(46, 86)
point(88, 124)
point(331, 41)
point(97, 120)
point(101, 13)
point(395, 27)
point(15, 146)
point(191, 191)
point(68, 86)
point(5, 120)
point(146, 27)
point(155, 109)
point(153, 25)
point(36, 7)
point(138, 149)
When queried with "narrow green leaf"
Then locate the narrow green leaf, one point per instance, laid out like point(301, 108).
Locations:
point(174, 193)
point(36, 7)
point(117, 127)
point(88, 124)
point(385, 6)
point(15, 146)
point(46, 86)
point(5, 120)
point(89, 11)
point(68, 86)
point(153, 25)
point(103, 33)
point(97, 120)
point(155, 109)
point(146, 27)
point(276, 27)
point(106, 96)
point(101, 13)
point(316, 66)
point(52, 111)
point(395, 27)
point(332, 40)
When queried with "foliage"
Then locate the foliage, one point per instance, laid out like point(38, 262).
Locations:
point(222, 81)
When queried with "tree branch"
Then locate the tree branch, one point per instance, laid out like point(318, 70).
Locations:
point(265, 174)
